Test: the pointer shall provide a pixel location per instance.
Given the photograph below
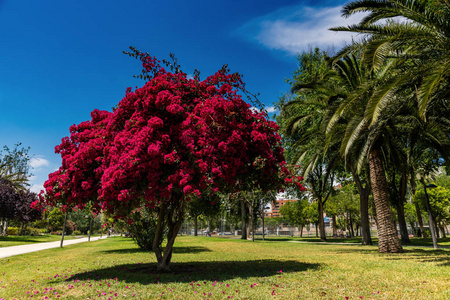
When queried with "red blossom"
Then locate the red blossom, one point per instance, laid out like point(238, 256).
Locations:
point(169, 138)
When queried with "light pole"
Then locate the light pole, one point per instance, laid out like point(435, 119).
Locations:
point(430, 217)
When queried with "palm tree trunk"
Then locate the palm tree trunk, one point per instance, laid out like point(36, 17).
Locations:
point(388, 241)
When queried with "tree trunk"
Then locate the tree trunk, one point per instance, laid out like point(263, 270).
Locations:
point(436, 229)
point(430, 216)
point(350, 223)
point(441, 228)
point(412, 184)
point(401, 209)
point(244, 220)
point(173, 218)
point(263, 229)
point(333, 219)
point(195, 226)
point(363, 208)
point(301, 230)
point(388, 241)
point(90, 229)
point(252, 217)
point(402, 224)
point(5, 227)
point(64, 229)
point(323, 236)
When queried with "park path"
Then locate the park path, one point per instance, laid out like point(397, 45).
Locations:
point(22, 249)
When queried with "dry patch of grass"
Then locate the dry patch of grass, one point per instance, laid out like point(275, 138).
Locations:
point(214, 268)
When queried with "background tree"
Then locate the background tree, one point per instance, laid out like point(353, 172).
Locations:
point(205, 205)
point(440, 206)
point(8, 200)
point(295, 212)
point(56, 219)
point(24, 213)
point(14, 165)
point(302, 120)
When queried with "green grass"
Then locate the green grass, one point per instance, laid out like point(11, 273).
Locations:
point(444, 242)
point(215, 268)
point(15, 240)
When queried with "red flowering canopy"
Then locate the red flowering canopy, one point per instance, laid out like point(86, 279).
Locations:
point(173, 139)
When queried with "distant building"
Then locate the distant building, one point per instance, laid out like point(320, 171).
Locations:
point(275, 211)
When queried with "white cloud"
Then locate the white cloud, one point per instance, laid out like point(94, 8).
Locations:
point(36, 188)
point(271, 109)
point(38, 162)
point(296, 28)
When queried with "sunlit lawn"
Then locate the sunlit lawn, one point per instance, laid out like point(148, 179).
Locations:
point(15, 240)
point(445, 242)
point(216, 268)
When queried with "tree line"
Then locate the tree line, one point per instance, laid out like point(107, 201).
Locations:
point(377, 112)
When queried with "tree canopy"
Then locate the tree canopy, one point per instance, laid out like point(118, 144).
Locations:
point(170, 141)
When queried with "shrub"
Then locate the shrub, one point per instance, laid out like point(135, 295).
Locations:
point(143, 228)
point(76, 232)
point(70, 227)
point(40, 224)
point(12, 231)
point(30, 231)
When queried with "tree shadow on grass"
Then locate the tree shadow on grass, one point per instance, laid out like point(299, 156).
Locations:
point(146, 273)
point(184, 250)
point(440, 257)
point(29, 239)
point(268, 239)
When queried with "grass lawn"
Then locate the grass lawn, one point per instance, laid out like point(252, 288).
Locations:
point(15, 240)
point(216, 268)
point(444, 242)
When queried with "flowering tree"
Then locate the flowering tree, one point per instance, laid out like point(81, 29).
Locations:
point(164, 144)
point(16, 204)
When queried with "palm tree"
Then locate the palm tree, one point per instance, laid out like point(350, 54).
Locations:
point(14, 166)
point(302, 121)
point(366, 135)
point(418, 38)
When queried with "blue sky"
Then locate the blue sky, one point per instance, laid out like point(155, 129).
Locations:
point(59, 60)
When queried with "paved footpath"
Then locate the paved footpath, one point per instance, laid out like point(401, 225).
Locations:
point(22, 249)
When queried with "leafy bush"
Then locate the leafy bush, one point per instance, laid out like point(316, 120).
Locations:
point(56, 232)
point(76, 232)
point(12, 231)
point(143, 228)
point(40, 224)
point(70, 227)
point(30, 231)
